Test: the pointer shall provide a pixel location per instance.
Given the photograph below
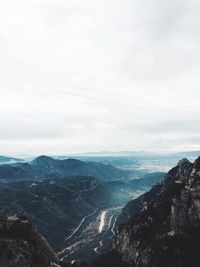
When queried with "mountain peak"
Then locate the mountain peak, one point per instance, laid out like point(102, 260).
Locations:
point(43, 159)
point(183, 162)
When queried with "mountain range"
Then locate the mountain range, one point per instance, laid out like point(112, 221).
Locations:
point(46, 167)
point(159, 228)
point(51, 194)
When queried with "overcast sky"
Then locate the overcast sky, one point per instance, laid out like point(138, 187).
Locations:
point(79, 76)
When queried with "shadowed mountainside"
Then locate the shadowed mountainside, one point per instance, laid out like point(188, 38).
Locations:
point(21, 245)
point(164, 224)
point(56, 207)
point(162, 230)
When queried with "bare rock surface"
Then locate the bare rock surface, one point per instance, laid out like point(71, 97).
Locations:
point(22, 246)
point(164, 225)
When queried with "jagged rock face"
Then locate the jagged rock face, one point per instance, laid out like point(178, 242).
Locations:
point(22, 246)
point(165, 227)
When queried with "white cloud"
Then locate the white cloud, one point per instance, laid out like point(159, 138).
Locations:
point(99, 75)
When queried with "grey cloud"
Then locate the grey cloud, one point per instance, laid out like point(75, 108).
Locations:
point(175, 127)
point(99, 75)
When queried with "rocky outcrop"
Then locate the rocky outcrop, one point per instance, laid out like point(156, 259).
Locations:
point(22, 246)
point(164, 228)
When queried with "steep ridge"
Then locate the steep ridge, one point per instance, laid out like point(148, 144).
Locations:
point(44, 167)
point(164, 225)
point(21, 245)
point(56, 207)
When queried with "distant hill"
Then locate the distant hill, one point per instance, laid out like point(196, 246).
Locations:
point(44, 167)
point(9, 160)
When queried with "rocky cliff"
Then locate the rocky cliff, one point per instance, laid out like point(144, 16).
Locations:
point(164, 224)
point(22, 246)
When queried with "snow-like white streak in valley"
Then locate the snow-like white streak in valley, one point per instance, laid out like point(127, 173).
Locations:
point(102, 221)
point(103, 218)
point(107, 219)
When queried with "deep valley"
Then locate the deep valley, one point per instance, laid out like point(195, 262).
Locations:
point(106, 217)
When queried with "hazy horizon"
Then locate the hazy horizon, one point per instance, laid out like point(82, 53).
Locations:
point(125, 153)
point(99, 76)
